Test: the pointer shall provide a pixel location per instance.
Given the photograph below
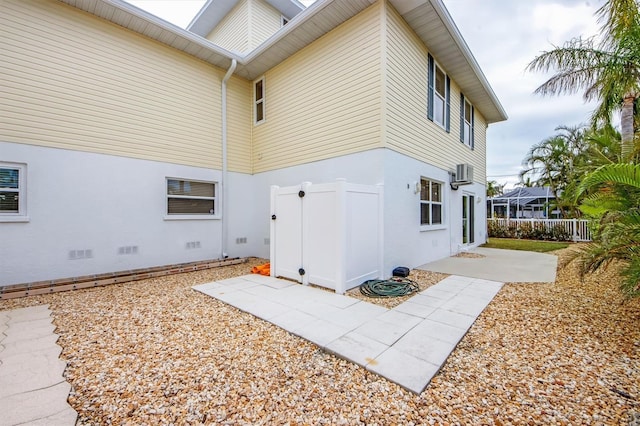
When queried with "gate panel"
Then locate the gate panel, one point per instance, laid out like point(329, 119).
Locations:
point(286, 241)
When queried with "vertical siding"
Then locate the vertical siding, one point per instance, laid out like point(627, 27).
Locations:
point(232, 33)
point(265, 21)
point(408, 130)
point(324, 101)
point(74, 81)
point(239, 121)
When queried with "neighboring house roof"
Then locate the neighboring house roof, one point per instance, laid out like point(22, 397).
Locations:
point(524, 196)
point(214, 11)
point(428, 18)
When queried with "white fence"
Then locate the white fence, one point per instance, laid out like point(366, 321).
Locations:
point(576, 228)
point(327, 234)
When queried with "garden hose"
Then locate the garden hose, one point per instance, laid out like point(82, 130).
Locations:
point(393, 287)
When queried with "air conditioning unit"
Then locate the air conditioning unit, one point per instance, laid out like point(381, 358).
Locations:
point(464, 173)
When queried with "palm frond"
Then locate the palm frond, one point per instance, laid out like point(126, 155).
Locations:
point(620, 173)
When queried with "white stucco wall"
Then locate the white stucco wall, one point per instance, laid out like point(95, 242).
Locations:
point(85, 201)
point(404, 242)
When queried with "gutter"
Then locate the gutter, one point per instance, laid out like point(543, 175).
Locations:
point(223, 181)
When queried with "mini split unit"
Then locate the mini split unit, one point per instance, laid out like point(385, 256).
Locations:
point(462, 176)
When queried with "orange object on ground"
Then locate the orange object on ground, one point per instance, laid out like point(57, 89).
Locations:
point(262, 269)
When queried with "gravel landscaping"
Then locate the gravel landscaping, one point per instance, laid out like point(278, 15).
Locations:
point(157, 352)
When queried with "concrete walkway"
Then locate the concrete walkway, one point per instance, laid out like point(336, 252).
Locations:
point(509, 266)
point(407, 344)
point(32, 388)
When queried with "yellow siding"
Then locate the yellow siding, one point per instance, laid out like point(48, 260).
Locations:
point(232, 33)
point(264, 22)
point(239, 125)
point(73, 81)
point(408, 130)
point(324, 101)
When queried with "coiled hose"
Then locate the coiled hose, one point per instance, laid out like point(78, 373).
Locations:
point(393, 287)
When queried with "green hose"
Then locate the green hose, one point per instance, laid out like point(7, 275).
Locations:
point(393, 287)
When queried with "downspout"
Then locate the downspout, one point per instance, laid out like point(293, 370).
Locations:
point(223, 181)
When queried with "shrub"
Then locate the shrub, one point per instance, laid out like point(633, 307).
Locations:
point(528, 231)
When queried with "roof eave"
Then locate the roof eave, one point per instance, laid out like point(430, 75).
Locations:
point(444, 40)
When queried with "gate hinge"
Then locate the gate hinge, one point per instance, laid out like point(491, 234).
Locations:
point(301, 271)
point(273, 217)
point(301, 194)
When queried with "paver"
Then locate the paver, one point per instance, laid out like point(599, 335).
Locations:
point(407, 344)
point(33, 389)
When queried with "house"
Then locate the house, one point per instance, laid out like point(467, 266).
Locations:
point(523, 203)
point(127, 142)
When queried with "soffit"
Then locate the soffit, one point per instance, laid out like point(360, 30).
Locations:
point(428, 18)
point(214, 11)
point(317, 20)
point(126, 15)
point(433, 24)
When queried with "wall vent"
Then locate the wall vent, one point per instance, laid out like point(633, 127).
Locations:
point(124, 250)
point(241, 240)
point(193, 245)
point(80, 254)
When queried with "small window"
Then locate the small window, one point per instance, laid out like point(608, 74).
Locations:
point(258, 94)
point(12, 191)
point(438, 101)
point(188, 197)
point(466, 122)
point(283, 21)
point(430, 202)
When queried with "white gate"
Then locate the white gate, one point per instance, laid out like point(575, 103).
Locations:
point(327, 234)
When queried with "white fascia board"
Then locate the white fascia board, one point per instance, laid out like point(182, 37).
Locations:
point(183, 35)
point(442, 11)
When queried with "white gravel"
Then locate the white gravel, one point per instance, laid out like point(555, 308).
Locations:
point(157, 352)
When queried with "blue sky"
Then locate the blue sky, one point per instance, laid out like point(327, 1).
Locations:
point(504, 36)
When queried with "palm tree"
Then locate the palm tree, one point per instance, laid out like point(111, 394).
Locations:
point(615, 207)
point(555, 162)
point(494, 189)
point(609, 71)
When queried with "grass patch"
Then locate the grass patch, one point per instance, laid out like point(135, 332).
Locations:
point(527, 245)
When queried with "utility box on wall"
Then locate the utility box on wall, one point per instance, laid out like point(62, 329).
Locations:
point(328, 234)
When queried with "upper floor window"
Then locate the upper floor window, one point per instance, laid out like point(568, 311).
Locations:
point(258, 96)
point(466, 122)
point(439, 94)
point(430, 202)
point(12, 192)
point(188, 197)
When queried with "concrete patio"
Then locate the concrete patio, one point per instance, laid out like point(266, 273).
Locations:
point(407, 344)
point(509, 266)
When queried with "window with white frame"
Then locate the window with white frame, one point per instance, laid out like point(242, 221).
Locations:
point(466, 122)
point(430, 202)
point(258, 96)
point(12, 190)
point(439, 100)
point(439, 86)
point(189, 197)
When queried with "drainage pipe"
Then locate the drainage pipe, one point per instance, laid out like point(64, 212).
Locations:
point(223, 181)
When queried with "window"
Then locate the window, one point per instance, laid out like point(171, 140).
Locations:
point(466, 122)
point(430, 202)
point(188, 197)
point(258, 96)
point(283, 21)
point(438, 97)
point(12, 192)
